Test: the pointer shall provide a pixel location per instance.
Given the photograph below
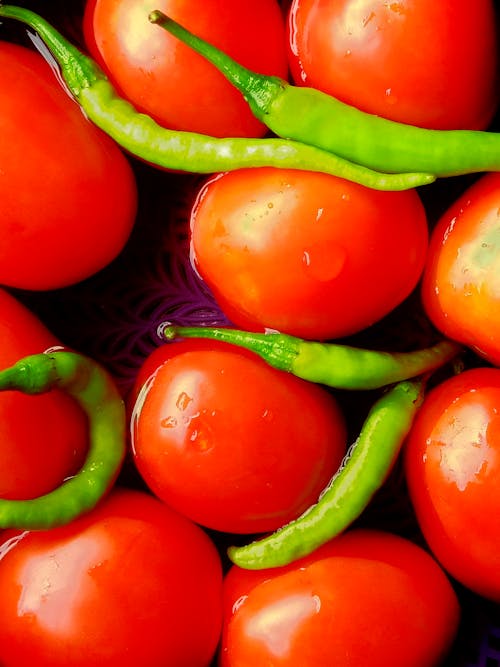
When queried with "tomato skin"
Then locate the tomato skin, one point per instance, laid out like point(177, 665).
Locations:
point(231, 443)
point(460, 289)
point(128, 584)
point(43, 438)
point(170, 82)
point(68, 193)
point(452, 463)
point(426, 63)
point(366, 598)
point(306, 253)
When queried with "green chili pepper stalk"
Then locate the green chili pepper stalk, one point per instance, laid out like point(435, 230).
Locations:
point(315, 118)
point(142, 137)
point(95, 392)
point(331, 364)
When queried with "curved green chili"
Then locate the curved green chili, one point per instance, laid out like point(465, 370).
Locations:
point(334, 365)
point(364, 470)
point(93, 389)
point(142, 137)
point(305, 114)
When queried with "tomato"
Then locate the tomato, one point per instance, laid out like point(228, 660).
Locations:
point(44, 437)
point(452, 462)
point(170, 82)
point(427, 63)
point(231, 443)
point(460, 287)
point(131, 583)
point(366, 598)
point(306, 253)
point(68, 193)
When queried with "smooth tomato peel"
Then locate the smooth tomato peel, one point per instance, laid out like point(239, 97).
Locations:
point(231, 443)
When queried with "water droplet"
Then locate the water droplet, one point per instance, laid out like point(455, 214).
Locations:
point(183, 400)
point(324, 261)
point(168, 422)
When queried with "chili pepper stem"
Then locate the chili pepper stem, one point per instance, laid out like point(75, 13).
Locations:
point(95, 392)
point(334, 365)
point(259, 91)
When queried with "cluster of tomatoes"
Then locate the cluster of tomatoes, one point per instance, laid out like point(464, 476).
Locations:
point(223, 447)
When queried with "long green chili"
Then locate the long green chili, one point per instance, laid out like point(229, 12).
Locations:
point(331, 364)
point(363, 472)
point(310, 116)
point(141, 136)
point(95, 392)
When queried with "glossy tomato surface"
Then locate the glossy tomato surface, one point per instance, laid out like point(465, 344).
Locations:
point(427, 63)
point(231, 443)
point(132, 583)
point(166, 79)
point(461, 285)
point(306, 253)
point(366, 598)
point(43, 438)
point(453, 469)
point(68, 193)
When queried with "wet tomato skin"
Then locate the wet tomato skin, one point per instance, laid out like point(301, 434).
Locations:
point(169, 81)
point(230, 442)
point(43, 438)
point(365, 598)
point(452, 463)
point(128, 584)
point(306, 253)
point(460, 285)
point(68, 192)
point(363, 53)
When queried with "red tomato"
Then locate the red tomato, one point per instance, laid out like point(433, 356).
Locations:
point(43, 438)
point(231, 443)
point(306, 253)
point(461, 287)
point(452, 460)
point(68, 193)
point(366, 598)
point(132, 583)
point(426, 63)
point(169, 81)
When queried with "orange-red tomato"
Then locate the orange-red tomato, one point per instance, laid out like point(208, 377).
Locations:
point(130, 583)
point(306, 253)
point(170, 82)
point(230, 442)
point(426, 63)
point(366, 598)
point(452, 461)
point(68, 194)
point(461, 284)
point(43, 438)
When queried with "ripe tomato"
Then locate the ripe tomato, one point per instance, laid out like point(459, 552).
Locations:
point(131, 583)
point(452, 461)
point(68, 193)
point(170, 82)
point(366, 598)
point(231, 443)
point(460, 287)
point(43, 438)
point(306, 253)
point(426, 63)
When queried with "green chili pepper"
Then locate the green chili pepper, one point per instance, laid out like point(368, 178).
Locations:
point(334, 365)
point(93, 389)
point(142, 137)
point(362, 473)
point(307, 115)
